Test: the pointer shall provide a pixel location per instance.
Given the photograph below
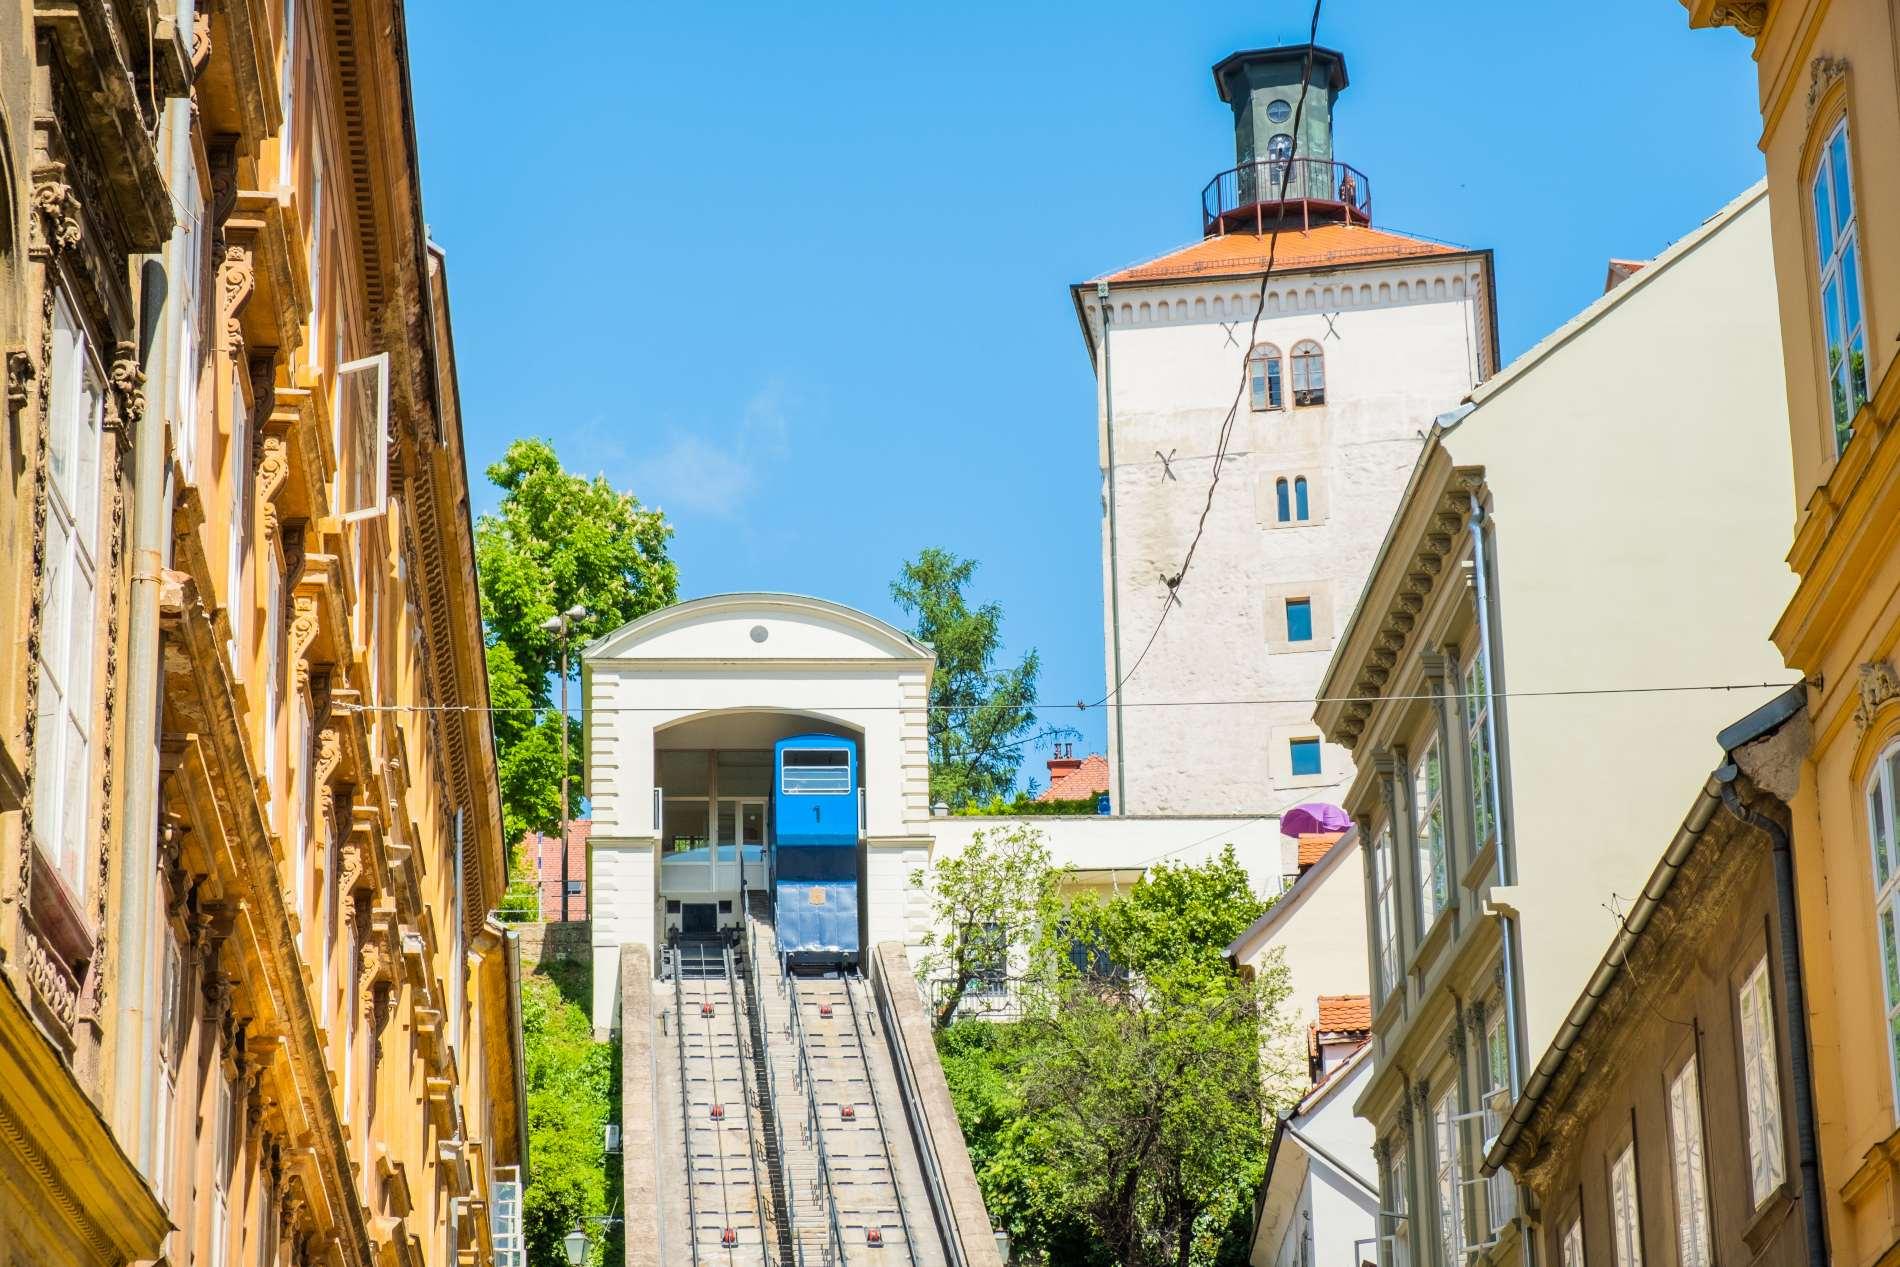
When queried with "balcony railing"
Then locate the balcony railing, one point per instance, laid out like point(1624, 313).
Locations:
point(1259, 195)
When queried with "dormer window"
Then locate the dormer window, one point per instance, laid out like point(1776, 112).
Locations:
point(1309, 373)
point(1263, 377)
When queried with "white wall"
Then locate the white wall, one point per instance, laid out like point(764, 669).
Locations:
point(1319, 928)
point(1655, 560)
point(1392, 365)
point(1307, 1193)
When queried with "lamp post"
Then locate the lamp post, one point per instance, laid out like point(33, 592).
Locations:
point(574, 1244)
point(559, 625)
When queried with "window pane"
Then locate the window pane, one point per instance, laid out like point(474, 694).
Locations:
point(57, 599)
point(1850, 284)
point(1823, 218)
point(1299, 497)
point(1305, 756)
point(1273, 381)
point(1843, 191)
point(1685, 1139)
point(1877, 830)
point(78, 651)
point(1890, 954)
point(1258, 378)
point(48, 730)
point(85, 499)
point(1625, 1218)
point(77, 771)
point(1280, 500)
point(1299, 620)
point(68, 358)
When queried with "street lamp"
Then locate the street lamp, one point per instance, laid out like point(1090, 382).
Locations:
point(559, 625)
point(574, 1244)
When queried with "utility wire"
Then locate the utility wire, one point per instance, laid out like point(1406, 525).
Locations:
point(1234, 702)
point(1173, 583)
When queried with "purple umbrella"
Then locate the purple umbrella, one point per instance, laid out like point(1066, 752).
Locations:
point(1314, 816)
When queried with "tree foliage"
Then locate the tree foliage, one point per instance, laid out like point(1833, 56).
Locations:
point(976, 711)
point(1121, 1120)
point(557, 539)
point(982, 900)
point(571, 1083)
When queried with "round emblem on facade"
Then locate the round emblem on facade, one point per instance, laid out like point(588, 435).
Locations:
point(760, 633)
point(1279, 111)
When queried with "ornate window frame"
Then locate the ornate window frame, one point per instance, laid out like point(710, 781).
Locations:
point(1881, 790)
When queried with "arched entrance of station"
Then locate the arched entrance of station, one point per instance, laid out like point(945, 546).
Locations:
point(712, 792)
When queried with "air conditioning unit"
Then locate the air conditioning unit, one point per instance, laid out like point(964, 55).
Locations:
point(613, 1138)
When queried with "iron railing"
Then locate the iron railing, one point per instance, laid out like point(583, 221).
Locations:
point(1258, 194)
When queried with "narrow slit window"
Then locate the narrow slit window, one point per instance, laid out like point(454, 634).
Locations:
point(1688, 1172)
point(1301, 510)
point(1263, 377)
point(1434, 881)
point(1761, 1086)
point(1626, 1234)
point(1282, 501)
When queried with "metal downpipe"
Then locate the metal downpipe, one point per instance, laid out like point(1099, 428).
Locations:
point(1120, 804)
point(135, 1034)
point(1794, 991)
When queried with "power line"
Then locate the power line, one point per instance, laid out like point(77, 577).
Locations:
point(1052, 705)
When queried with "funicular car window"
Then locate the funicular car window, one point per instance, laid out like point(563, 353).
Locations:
point(816, 772)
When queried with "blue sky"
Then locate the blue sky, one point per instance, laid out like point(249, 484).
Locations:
point(798, 274)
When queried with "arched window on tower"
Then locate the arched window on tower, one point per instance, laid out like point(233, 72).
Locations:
point(1300, 504)
point(1263, 377)
point(1280, 502)
point(1309, 373)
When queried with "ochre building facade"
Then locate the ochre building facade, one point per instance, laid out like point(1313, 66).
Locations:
point(1829, 75)
point(252, 1007)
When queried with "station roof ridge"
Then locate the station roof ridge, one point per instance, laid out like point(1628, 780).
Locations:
point(738, 600)
point(1242, 254)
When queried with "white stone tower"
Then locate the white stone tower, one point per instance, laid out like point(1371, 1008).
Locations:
point(1366, 335)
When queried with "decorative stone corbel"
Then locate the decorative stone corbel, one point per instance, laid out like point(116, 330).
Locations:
point(1746, 18)
point(1455, 1041)
point(58, 208)
point(1878, 684)
point(21, 371)
point(128, 388)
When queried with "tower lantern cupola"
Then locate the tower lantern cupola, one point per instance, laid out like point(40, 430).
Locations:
point(1281, 178)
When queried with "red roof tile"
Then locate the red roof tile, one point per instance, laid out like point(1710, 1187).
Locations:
point(1345, 1013)
point(1314, 844)
point(1088, 779)
point(1231, 254)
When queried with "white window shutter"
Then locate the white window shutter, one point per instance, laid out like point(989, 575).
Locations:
point(363, 457)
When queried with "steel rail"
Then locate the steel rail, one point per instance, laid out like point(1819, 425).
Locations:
point(686, 1108)
point(877, 1116)
point(815, 1121)
point(746, 1091)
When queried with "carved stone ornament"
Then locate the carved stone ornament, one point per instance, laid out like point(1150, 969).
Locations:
point(58, 206)
point(51, 979)
point(1878, 684)
point(1455, 1042)
point(200, 41)
point(21, 371)
point(1404, 1116)
point(1822, 72)
point(128, 385)
point(1746, 18)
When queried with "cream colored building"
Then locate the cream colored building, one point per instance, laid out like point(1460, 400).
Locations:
point(1578, 555)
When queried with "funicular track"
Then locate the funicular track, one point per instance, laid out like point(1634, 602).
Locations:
point(833, 1168)
point(726, 1192)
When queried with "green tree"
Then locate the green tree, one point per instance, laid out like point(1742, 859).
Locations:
point(982, 900)
point(1144, 1061)
point(556, 540)
point(976, 711)
point(1121, 1120)
point(571, 1083)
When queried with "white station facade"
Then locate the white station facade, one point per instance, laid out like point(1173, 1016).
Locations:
point(683, 707)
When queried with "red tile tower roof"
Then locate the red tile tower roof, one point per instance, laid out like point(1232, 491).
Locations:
point(1239, 254)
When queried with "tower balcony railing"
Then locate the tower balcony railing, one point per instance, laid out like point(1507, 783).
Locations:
point(1265, 193)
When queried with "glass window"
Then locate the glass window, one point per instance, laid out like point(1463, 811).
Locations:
point(1451, 1183)
point(1689, 1176)
point(1282, 500)
point(1309, 374)
point(744, 771)
point(1477, 716)
point(1398, 1203)
point(1299, 620)
point(1626, 1225)
point(683, 772)
point(1836, 243)
point(62, 736)
point(1300, 510)
point(816, 772)
point(1434, 881)
point(1305, 754)
point(1573, 1242)
point(1263, 378)
point(1884, 836)
point(1761, 1085)
point(1500, 1189)
point(1385, 917)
